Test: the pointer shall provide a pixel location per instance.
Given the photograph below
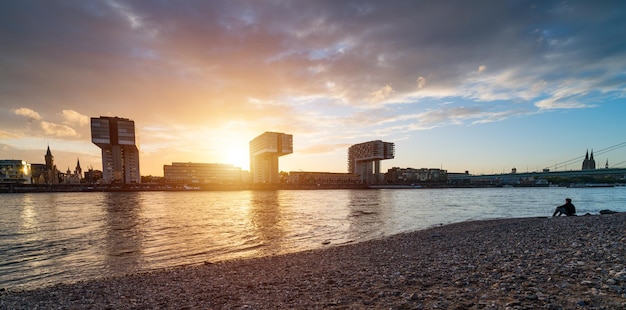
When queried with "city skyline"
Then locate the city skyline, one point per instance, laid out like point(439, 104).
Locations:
point(478, 86)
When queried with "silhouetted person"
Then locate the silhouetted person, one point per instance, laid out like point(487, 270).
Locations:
point(567, 209)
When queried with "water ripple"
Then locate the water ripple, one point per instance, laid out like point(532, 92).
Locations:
point(48, 238)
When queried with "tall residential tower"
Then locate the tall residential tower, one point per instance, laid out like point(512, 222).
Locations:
point(364, 159)
point(120, 156)
point(264, 152)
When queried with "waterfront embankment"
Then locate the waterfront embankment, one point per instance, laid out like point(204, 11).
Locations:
point(151, 187)
point(525, 263)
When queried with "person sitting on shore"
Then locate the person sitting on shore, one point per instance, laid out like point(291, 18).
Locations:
point(567, 209)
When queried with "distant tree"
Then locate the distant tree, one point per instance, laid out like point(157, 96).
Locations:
point(284, 177)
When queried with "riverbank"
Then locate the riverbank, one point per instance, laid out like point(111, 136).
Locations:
point(527, 263)
point(158, 187)
point(150, 187)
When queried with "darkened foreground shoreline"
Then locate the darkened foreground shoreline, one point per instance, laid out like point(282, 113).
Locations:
point(527, 263)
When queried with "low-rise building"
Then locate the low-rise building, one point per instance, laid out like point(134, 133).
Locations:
point(46, 173)
point(398, 175)
point(202, 173)
point(307, 177)
point(15, 171)
point(93, 176)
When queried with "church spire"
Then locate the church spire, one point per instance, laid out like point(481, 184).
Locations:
point(592, 162)
point(78, 170)
point(49, 159)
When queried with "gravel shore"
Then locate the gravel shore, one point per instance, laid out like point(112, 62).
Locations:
point(528, 263)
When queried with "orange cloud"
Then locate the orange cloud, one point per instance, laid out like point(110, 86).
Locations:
point(58, 130)
point(28, 113)
point(73, 117)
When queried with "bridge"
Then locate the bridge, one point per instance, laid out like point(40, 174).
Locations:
point(619, 173)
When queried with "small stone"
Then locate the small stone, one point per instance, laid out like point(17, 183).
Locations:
point(607, 211)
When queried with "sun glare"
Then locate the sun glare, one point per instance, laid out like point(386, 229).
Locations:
point(238, 157)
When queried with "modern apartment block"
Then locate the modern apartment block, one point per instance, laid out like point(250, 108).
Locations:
point(264, 152)
point(201, 173)
point(364, 159)
point(120, 155)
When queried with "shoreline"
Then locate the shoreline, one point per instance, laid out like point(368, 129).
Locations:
point(12, 188)
point(520, 263)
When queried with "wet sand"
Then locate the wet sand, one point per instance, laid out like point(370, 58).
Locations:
point(529, 263)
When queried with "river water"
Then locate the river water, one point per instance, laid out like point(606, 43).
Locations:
point(49, 238)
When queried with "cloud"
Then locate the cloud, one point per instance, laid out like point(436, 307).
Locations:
point(324, 148)
point(421, 82)
point(381, 94)
point(369, 117)
point(453, 115)
point(200, 62)
point(31, 114)
point(72, 117)
point(58, 130)
point(555, 103)
point(8, 135)
point(134, 20)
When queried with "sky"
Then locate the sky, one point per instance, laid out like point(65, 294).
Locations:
point(478, 86)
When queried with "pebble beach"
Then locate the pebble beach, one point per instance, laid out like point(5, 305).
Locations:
point(520, 263)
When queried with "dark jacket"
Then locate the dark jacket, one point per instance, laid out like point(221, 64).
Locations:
point(569, 208)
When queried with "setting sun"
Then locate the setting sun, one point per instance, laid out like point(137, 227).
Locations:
point(239, 157)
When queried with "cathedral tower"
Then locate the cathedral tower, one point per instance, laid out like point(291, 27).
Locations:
point(589, 163)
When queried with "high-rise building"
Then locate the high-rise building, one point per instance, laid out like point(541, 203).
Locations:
point(264, 152)
point(364, 159)
point(120, 155)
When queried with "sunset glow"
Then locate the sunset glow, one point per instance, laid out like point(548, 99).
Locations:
point(238, 157)
point(481, 86)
